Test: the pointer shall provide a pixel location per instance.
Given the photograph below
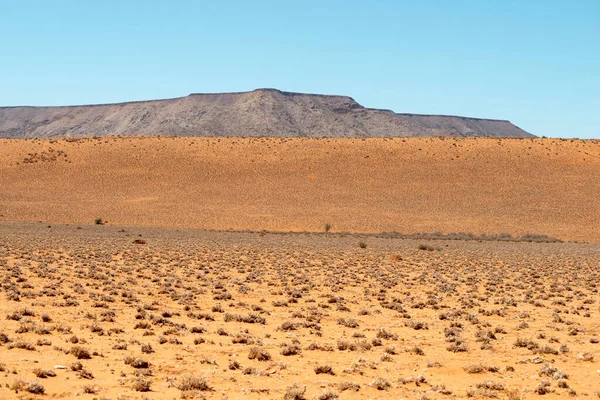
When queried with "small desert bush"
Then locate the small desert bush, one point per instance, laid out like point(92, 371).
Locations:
point(384, 334)
point(90, 389)
point(242, 338)
point(545, 349)
point(147, 348)
point(529, 344)
point(41, 373)
point(141, 384)
point(234, 365)
point(137, 363)
point(416, 350)
point(327, 394)
point(345, 345)
point(80, 353)
point(188, 383)
point(249, 319)
point(197, 329)
point(256, 353)
point(548, 370)
point(31, 387)
point(479, 368)
point(355, 387)
point(290, 349)
point(349, 323)
point(199, 340)
point(21, 344)
point(324, 369)
point(457, 348)
point(142, 325)
point(85, 374)
point(4, 338)
point(416, 325)
point(295, 392)
point(417, 380)
point(321, 347)
point(76, 366)
point(543, 387)
point(490, 385)
point(381, 384)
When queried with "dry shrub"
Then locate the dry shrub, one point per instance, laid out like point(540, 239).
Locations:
point(258, 354)
point(324, 369)
point(290, 349)
point(189, 383)
point(589, 357)
point(199, 340)
point(141, 384)
point(416, 350)
point(295, 392)
point(147, 348)
point(543, 387)
point(384, 334)
point(85, 374)
point(355, 387)
point(90, 389)
point(21, 344)
point(327, 394)
point(417, 325)
point(4, 338)
point(31, 387)
point(457, 348)
point(475, 368)
point(40, 373)
point(381, 384)
point(80, 353)
point(136, 362)
point(349, 322)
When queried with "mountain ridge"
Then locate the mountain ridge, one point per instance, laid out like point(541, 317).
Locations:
point(261, 112)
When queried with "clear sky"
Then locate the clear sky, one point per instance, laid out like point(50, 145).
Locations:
point(534, 62)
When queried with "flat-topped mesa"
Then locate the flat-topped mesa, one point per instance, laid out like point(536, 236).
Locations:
point(277, 92)
point(261, 112)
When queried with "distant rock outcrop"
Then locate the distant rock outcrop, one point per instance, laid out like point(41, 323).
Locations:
point(262, 112)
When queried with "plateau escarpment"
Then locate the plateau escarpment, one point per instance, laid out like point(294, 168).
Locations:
point(262, 112)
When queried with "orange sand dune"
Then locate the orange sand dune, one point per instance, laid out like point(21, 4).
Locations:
point(479, 185)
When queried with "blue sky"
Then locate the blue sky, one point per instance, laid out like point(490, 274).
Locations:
point(536, 63)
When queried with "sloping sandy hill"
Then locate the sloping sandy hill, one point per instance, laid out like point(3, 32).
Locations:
point(518, 186)
point(262, 112)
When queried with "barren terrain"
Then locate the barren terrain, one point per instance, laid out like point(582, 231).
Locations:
point(262, 112)
point(251, 268)
point(111, 312)
point(475, 185)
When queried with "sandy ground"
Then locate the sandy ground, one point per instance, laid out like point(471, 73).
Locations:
point(336, 315)
point(517, 186)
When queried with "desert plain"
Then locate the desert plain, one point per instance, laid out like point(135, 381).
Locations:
point(406, 185)
point(226, 268)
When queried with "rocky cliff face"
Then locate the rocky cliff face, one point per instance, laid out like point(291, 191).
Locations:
point(262, 112)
